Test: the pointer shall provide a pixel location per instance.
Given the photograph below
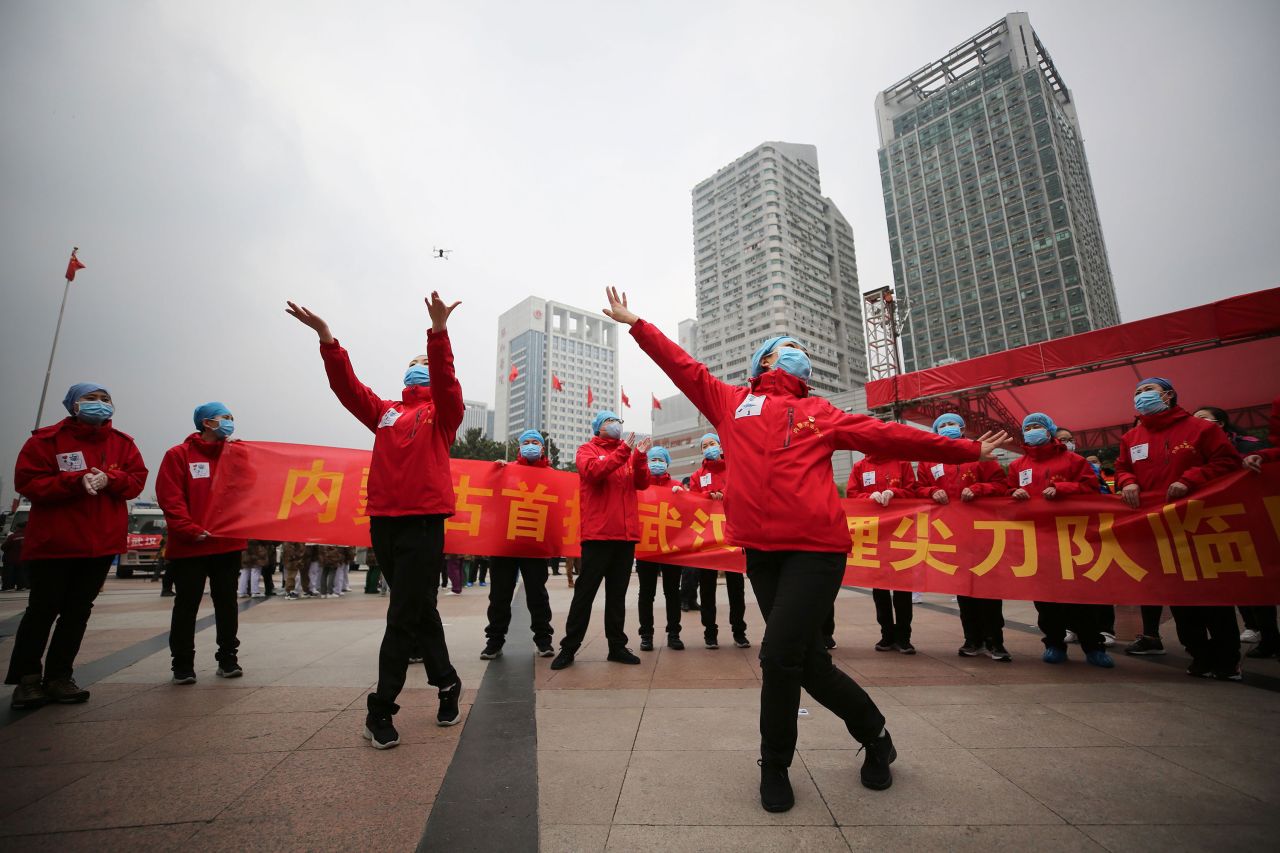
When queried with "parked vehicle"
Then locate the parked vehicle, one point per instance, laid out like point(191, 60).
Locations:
point(146, 536)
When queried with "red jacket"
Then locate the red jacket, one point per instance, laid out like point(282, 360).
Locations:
point(715, 474)
point(1272, 453)
point(1051, 464)
point(664, 481)
point(183, 487)
point(65, 520)
point(781, 493)
point(610, 474)
point(1174, 447)
point(871, 475)
point(409, 473)
point(540, 462)
point(982, 478)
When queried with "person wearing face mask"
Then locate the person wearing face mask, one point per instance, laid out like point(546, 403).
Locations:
point(1269, 645)
point(410, 496)
point(504, 572)
point(1096, 464)
point(1066, 438)
point(649, 572)
point(78, 474)
point(982, 619)
point(611, 470)
point(1048, 470)
point(882, 480)
point(1165, 457)
point(710, 480)
point(782, 507)
point(184, 486)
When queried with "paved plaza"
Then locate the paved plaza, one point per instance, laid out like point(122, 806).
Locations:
point(661, 756)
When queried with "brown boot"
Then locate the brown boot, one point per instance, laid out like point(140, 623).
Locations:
point(29, 693)
point(65, 691)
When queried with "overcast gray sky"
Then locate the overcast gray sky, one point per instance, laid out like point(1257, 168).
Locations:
point(212, 160)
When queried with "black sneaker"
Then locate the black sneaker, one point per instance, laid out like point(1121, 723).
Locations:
point(1145, 646)
point(971, 650)
point(875, 769)
point(998, 652)
point(230, 670)
point(1200, 669)
point(65, 691)
point(887, 646)
point(563, 660)
point(741, 641)
point(185, 677)
point(379, 731)
point(906, 648)
point(448, 714)
point(545, 651)
point(29, 693)
point(830, 643)
point(675, 643)
point(622, 656)
point(491, 650)
point(646, 644)
point(711, 643)
point(775, 788)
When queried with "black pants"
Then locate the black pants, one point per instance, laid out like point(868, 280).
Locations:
point(166, 578)
point(410, 552)
point(189, 575)
point(796, 590)
point(1085, 619)
point(555, 565)
point(608, 562)
point(893, 612)
point(982, 620)
point(1264, 617)
point(689, 588)
point(649, 573)
point(61, 590)
point(735, 584)
point(829, 626)
point(502, 589)
point(1210, 635)
point(268, 586)
point(1107, 618)
point(1151, 614)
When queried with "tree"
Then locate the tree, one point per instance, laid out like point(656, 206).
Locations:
point(473, 445)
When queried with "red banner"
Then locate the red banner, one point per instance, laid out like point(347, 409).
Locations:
point(1220, 547)
point(143, 541)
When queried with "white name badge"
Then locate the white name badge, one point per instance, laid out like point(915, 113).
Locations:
point(1024, 477)
point(750, 407)
point(868, 478)
point(704, 480)
point(73, 461)
point(1138, 452)
point(199, 470)
point(938, 471)
point(390, 417)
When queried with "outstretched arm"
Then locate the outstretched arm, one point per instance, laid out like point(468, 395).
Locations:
point(355, 396)
point(445, 390)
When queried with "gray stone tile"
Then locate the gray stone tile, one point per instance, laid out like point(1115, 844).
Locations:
point(1176, 838)
point(1153, 723)
point(621, 698)
point(735, 697)
point(1012, 725)
point(821, 729)
point(1241, 765)
point(578, 787)
point(969, 839)
point(699, 728)
point(588, 728)
point(959, 694)
point(723, 839)
point(568, 838)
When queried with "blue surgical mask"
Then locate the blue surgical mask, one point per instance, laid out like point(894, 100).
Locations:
point(1097, 469)
point(950, 431)
point(225, 428)
point(532, 452)
point(1149, 402)
point(94, 412)
point(712, 453)
point(1035, 437)
point(795, 362)
point(657, 467)
point(1069, 445)
point(611, 430)
point(417, 374)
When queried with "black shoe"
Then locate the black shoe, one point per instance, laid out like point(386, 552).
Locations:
point(675, 643)
point(775, 788)
point(1200, 669)
point(448, 714)
point(230, 670)
point(186, 677)
point(712, 643)
point(169, 594)
point(646, 644)
point(971, 650)
point(886, 645)
point(563, 660)
point(29, 693)
point(491, 650)
point(65, 691)
point(875, 769)
point(998, 652)
point(545, 651)
point(684, 608)
point(379, 731)
point(741, 641)
point(623, 656)
point(830, 643)
point(906, 648)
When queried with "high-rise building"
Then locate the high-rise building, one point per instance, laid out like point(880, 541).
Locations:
point(773, 256)
point(541, 340)
point(994, 232)
point(477, 415)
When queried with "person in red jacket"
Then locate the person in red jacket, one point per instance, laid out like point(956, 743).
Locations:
point(504, 571)
point(882, 480)
point(1049, 470)
point(659, 459)
point(183, 489)
point(78, 475)
point(1167, 456)
point(782, 506)
point(410, 496)
point(611, 470)
point(1269, 646)
point(982, 619)
point(710, 480)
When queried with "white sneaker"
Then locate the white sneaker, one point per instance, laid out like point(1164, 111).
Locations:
point(1248, 635)
point(258, 595)
point(1071, 637)
point(1108, 640)
point(917, 598)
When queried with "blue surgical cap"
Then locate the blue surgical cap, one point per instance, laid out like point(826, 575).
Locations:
point(209, 410)
point(75, 392)
point(660, 452)
point(599, 420)
point(711, 435)
point(531, 433)
point(1042, 419)
point(766, 348)
point(948, 418)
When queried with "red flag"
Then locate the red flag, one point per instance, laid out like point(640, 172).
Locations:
point(591, 398)
point(73, 265)
point(511, 377)
point(556, 384)
point(625, 400)
point(656, 404)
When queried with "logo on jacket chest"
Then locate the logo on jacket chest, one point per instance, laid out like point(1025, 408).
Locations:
point(810, 424)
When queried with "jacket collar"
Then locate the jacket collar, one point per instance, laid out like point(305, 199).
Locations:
point(416, 394)
point(83, 431)
point(1163, 420)
point(779, 382)
point(208, 448)
point(1048, 450)
point(714, 464)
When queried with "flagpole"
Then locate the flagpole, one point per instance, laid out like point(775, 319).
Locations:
point(49, 370)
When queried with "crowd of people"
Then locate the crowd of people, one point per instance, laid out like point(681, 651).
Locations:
point(768, 461)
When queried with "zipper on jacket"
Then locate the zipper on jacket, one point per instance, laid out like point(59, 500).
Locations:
point(416, 419)
point(791, 423)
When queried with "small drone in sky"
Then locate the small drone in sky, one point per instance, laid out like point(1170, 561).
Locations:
point(441, 254)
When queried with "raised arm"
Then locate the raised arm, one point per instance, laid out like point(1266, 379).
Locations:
point(446, 392)
point(640, 464)
point(356, 397)
point(593, 469)
point(898, 441)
